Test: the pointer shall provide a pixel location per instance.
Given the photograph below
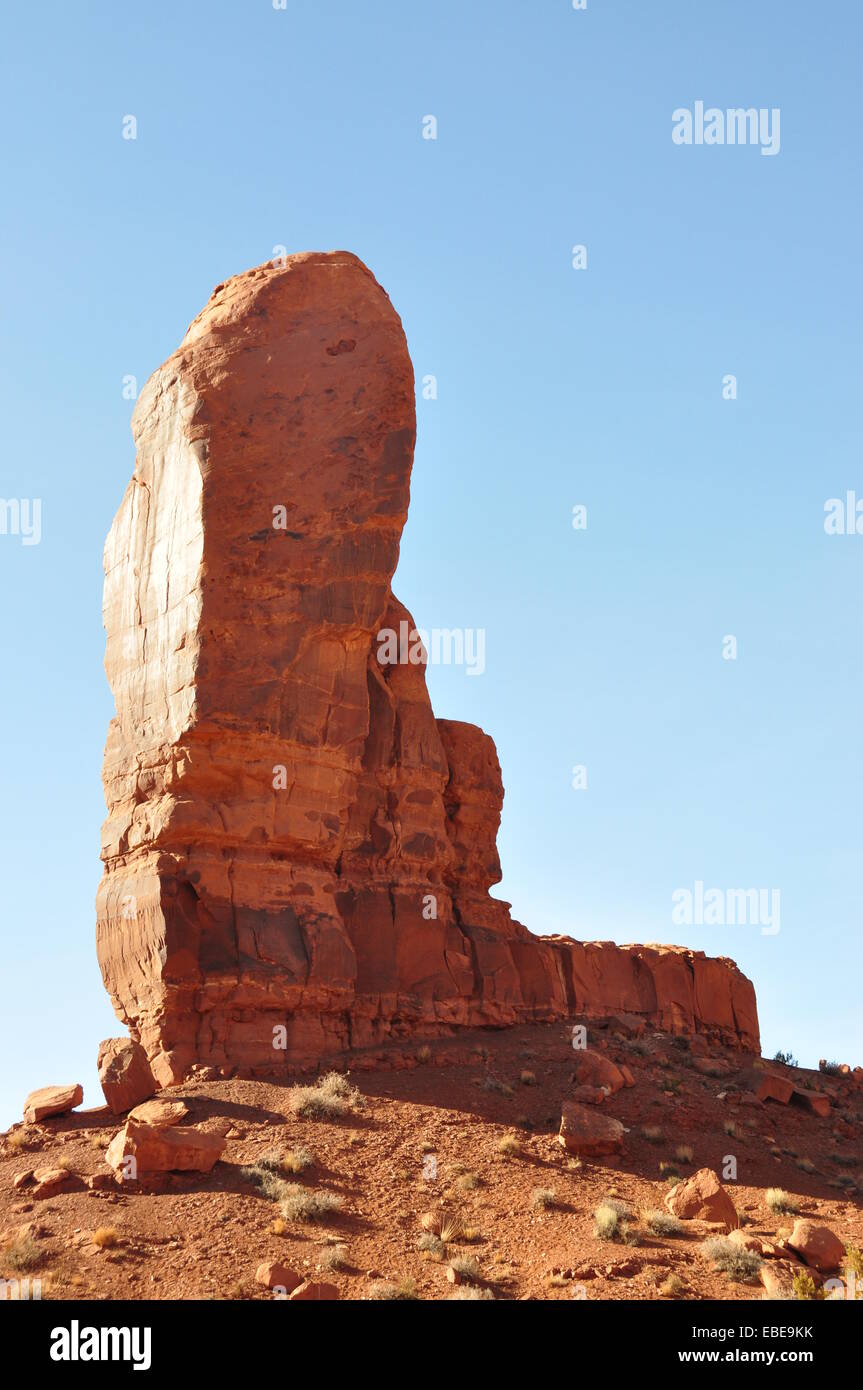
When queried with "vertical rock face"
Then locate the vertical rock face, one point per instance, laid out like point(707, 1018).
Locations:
point(296, 851)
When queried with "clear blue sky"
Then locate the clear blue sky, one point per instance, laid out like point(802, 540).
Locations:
point(258, 128)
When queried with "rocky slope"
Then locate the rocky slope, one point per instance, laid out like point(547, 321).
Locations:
point(438, 1170)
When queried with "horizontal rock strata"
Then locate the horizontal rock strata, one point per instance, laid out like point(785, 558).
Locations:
point(297, 854)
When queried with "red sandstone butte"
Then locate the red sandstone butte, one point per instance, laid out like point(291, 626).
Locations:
point(293, 840)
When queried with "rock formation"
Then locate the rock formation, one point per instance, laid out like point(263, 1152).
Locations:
point(297, 854)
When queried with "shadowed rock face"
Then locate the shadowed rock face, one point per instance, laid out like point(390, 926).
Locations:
point(293, 840)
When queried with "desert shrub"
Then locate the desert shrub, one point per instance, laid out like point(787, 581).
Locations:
point(431, 1245)
point(298, 1160)
point(542, 1198)
point(332, 1095)
point(469, 1293)
point(106, 1237)
point(683, 1153)
point(493, 1083)
point(804, 1286)
point(606, 1222)
point(785, 1059)
point(333, 1257)
point(266, 1179)
point(21, 1255)
point(509, 1146)
point(672, 1286)
point(446, 1225)
point(297, 1203)
point(612, 1220)
point(780, 1201)
point(653, 1134)
point(739, 1264)
point(466, 1268)
point(466, 1182)
point(663, 1223)
point(383, 1291)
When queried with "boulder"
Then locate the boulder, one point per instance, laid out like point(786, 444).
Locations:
point(769, 1086)
point(589, 1095)
point(816, 1245)
point(630, 1025)
point(811, 1100)
point(124, 1074)
point(777, 1278)
point(183, 1149)
point(162, 1114)
point(588, 1133)
point(314, 1290)
point(51, 1100)
point(592, 1069)
point(758, 1245)
point(274, 1275)
point(702, 1197)
point(48, 1182)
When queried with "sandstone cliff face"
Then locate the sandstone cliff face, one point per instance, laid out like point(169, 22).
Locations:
point(293, 840)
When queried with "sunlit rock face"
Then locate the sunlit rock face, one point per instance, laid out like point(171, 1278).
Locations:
point(296, 851)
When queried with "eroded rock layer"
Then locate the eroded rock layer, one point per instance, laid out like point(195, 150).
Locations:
point(297, 853)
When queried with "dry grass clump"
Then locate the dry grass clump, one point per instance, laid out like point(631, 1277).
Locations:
point(663, 1223)
point(493, 1083)
point(424, 1054)
point(509, 1146)
point(469, 1292)
point(466, 1268)
point(739, 1264)
point(299, 1204)
point(612, 1221)
point(431, 1245)
point(21, 1255)
point(653, 1134)
point(298, 1160)
point(528, 1078)
point(266, 1176)
point(333, 1257)
point(779, 1200)
point(106, 1237)
point(672, 1286)
point(331, 1096)
point(466, 1182)
point(542, 1198)
point(683, 1153)
point(382, 1291)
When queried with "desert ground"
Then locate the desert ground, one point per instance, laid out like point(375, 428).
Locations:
point(436, 1171)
